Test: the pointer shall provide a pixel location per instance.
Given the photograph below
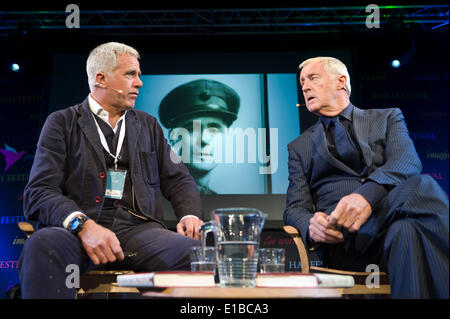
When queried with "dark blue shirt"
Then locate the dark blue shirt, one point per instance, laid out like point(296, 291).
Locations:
point(370, 190)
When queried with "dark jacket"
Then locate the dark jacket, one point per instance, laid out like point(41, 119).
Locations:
point(68, 170)
point(317, 180)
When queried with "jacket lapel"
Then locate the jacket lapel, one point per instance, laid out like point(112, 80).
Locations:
point(133, 129)
point(87, 125)
point(361, 127)
point(319, 139)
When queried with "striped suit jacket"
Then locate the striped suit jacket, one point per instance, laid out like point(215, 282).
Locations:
point(317, 180)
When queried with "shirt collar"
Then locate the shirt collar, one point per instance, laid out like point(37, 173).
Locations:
point(345, 113)
point(97, 109)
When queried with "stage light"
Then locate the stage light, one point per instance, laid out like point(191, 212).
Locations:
point(15, 67)
point(395, 63)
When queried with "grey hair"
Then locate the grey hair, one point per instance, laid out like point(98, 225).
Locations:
point(104, 59)
point(333, 66)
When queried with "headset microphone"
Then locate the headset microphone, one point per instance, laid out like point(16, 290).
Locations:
point(118, 91)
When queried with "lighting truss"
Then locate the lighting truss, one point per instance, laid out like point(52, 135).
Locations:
point(227, 21)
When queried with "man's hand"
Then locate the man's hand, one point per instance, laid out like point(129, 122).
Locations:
point(189, 226)
point(322, 231)
point(101, 244)
point(351, 212)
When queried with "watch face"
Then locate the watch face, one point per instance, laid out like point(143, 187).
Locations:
point(75, 224)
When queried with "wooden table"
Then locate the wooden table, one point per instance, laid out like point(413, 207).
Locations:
point(259, 292)
point(218, 292)
point(243, 293)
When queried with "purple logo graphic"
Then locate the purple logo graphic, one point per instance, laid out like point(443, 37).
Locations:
point(11, 156)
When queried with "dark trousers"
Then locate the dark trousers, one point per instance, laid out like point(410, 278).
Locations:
point(407, 235)
point(49, 251)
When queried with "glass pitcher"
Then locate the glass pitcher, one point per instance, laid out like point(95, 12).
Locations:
point(237, 233)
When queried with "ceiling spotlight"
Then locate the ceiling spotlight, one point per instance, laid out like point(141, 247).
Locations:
point(395, 63)
point(15, 67)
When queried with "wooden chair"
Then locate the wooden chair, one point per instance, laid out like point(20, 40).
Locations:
point(360, 287)
point(94, 281)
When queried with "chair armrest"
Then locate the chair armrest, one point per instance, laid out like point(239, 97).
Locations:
point(346, 272)
point(360, 277)
point(304, 259)
point(26, 227)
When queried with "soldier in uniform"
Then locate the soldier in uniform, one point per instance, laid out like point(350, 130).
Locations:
point(210, 103)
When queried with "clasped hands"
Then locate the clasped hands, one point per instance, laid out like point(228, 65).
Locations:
point(351, 212)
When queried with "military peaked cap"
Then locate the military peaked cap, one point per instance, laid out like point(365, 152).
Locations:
point(199, 98)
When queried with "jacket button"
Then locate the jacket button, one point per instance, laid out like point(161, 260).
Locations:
point(102, 175)
point(97, 199)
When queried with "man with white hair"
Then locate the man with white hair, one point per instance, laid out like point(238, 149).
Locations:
point(355, 190)
point(95, 186)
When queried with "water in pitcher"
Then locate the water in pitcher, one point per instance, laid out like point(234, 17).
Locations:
point(237, 263)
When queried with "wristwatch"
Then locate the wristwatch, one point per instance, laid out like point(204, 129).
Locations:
point(76, 224)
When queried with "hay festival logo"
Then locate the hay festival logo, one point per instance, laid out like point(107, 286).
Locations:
point(11, 156)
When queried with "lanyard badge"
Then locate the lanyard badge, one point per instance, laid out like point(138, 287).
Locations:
point(115, 180)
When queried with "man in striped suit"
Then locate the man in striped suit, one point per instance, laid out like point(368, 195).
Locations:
point(355, 190)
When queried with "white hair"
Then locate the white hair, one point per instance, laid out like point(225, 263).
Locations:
point(104, 59)
point(333, 66)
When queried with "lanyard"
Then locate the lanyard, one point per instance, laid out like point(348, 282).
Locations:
point(119, 143)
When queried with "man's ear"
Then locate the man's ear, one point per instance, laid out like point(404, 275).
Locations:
point(100, 79)
point(342, 80)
